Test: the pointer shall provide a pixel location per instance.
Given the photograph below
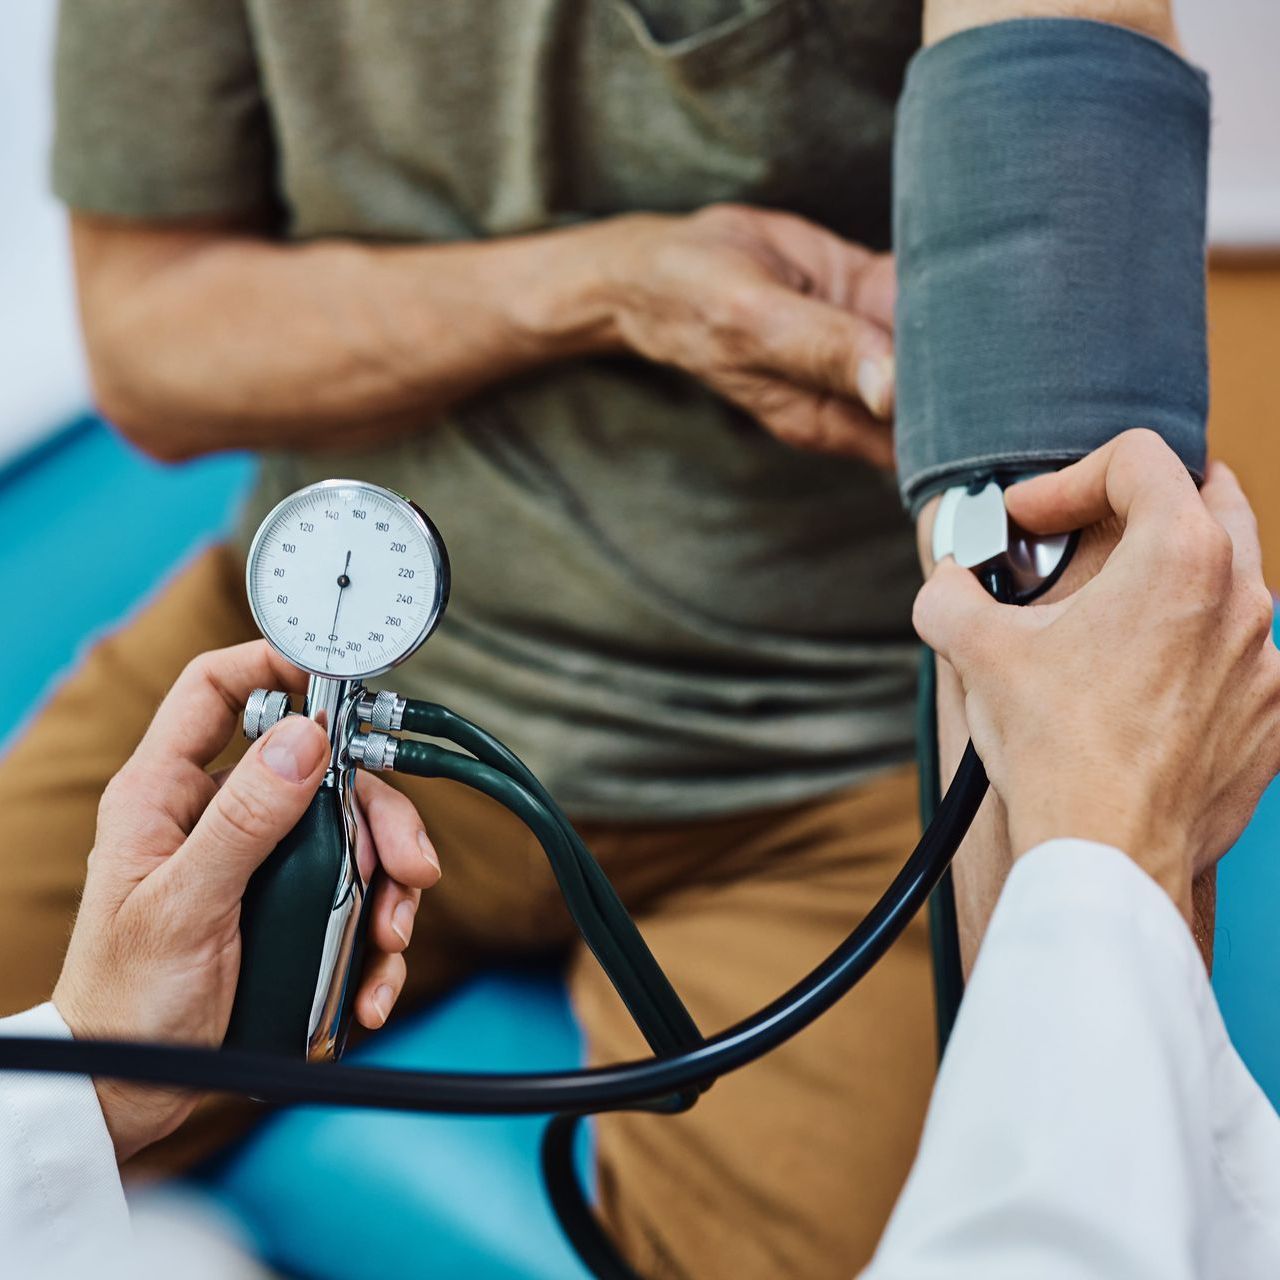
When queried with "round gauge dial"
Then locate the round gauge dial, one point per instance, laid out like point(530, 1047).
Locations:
point(346, 578)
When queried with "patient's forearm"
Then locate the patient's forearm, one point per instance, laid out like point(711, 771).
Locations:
point(214, 339)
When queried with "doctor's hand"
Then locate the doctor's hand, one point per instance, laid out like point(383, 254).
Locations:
point(1142, 711)
point(776, 314)
point(155, 954)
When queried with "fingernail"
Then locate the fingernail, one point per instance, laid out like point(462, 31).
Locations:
point(383, 997)
point(402, 920)
point(428, 851)
point(875, 384)
point(294, 748)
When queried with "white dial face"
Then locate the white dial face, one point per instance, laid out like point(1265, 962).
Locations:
point(346, 579)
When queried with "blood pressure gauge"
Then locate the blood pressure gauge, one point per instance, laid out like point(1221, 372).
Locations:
point(346, 579)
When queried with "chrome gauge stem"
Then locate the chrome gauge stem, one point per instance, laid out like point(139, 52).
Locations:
point(335, 706)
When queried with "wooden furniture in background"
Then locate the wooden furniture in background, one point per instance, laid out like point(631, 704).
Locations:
point(1244, 359)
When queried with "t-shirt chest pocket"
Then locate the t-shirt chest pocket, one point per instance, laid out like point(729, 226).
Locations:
point(687, 102)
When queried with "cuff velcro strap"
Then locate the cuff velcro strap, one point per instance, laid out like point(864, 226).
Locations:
point(1049, 223)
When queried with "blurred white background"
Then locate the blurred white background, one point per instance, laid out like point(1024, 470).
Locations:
point(42, 382)
point(1237, 41)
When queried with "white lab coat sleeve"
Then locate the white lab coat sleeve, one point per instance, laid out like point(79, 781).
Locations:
point(1090, 1117)
point(62, 1206)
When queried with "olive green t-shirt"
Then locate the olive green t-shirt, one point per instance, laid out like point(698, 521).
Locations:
point(665, 611)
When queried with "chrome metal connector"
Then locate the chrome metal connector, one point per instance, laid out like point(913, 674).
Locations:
point(384, 711)
point(374, 751)
point(265, 708)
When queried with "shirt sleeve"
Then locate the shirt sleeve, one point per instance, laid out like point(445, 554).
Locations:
point(1090, 1117)
point(62, 1207)
point(159, 110)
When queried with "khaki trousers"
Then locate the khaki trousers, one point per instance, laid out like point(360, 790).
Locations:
point(786, 1169)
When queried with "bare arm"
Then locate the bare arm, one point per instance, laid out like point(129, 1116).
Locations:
point(212, 337)
point(987, 855)
point(944, 18)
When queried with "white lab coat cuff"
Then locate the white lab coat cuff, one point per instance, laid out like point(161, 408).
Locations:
point(1090, 1117)
point(61, 1201)
point(1067, 876)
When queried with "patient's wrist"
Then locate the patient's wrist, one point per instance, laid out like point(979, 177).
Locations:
point(554, 293)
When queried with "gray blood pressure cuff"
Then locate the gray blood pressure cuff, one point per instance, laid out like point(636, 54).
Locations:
point(1049, 222)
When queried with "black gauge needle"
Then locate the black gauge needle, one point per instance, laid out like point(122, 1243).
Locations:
point(343, 583)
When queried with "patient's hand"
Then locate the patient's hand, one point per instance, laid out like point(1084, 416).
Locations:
point(1143, 710)
point(789, 322)
point(155, 954)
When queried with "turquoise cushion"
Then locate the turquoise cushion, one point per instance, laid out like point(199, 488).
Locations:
point(339, 1193)
point(362, 1195)
point(88, 509)
point(1246, 959)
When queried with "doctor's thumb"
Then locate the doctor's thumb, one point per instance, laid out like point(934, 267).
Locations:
point(261, 801)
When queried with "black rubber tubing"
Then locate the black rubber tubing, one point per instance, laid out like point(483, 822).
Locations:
point(675, 1029)
point(593, 903)
point(436, 721)
point(595, 1089)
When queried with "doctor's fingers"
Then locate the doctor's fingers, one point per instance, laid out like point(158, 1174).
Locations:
point(404, 849)
point(394, 839)
point(1135, 476)
point(202, 711)
point(380, 986)
point(261, 801)
point(957, 618)
point(1226, 502)
point(393, 910)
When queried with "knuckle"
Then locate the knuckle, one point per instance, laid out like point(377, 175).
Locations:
point(1215, 549)
point(830, 431)
point(245, 814)
point(922, 611)
point(196, 670)
point(926, 620)
point(737, 311)
point(96, 862)
point(1260, 609)
point(1140, 442)
point(1141, 448)
point(721, 216)
point(1218, 550)
point(922, 615)
point(115, 793)
point(799, 434)
point(124, 797)
point(1202, 547)
point(399, 972)
point(834, 360)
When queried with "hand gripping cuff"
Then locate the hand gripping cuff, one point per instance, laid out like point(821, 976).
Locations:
point(1049, 222)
